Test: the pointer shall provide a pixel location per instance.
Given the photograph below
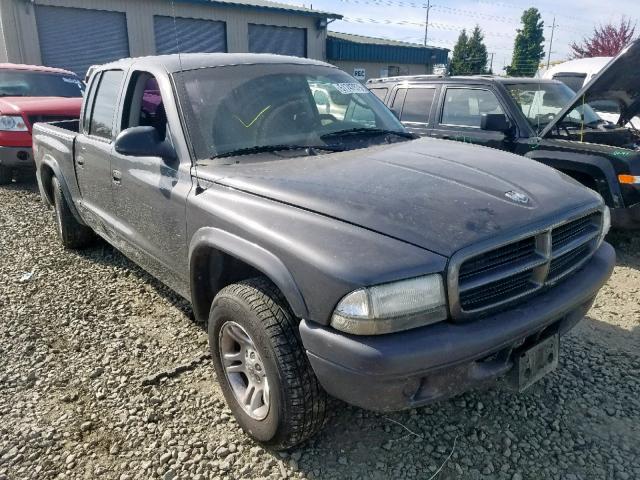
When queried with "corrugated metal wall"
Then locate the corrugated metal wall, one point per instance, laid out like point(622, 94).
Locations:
point(339, 49)
point(76, 38)
point(189, 34)
point(279, 40)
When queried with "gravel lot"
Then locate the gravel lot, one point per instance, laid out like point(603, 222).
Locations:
point(103, 374)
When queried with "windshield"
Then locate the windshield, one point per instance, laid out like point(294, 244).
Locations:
point(541, 102)
point(14, 83)
point(234, 109)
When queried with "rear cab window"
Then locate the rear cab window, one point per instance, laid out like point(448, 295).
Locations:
point(417, 105)
point(464, 106)
point(380, 92)
point(105, 104)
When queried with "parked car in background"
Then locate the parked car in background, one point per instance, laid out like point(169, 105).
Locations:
point(577, 73)
point(329, 254)
point(30, 94)
point(539, 119)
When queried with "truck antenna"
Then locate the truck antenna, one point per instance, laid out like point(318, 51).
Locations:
point(199, 188)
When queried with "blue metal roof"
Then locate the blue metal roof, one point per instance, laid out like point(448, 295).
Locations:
point(357, 48)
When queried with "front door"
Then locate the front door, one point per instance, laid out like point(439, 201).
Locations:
point(93, 149)
point(150, 192)
point(460, 116)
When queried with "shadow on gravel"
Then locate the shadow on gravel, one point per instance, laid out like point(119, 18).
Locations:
point(627, 245)
point(105, 254)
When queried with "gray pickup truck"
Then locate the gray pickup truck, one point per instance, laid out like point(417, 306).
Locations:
point(329, 253)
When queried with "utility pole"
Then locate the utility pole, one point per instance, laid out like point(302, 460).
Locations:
point(491, 64)
point(426, 23)
point(553, 29)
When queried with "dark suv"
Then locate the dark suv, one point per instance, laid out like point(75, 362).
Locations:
point(540, 119)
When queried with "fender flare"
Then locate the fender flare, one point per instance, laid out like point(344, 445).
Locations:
point(50, 162)
point(584, 163)
point(270, 265)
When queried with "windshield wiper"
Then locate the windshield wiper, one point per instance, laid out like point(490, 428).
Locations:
point(368, 131)
point(276, 148)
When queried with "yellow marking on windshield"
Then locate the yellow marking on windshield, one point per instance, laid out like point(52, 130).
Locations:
point(247, 125)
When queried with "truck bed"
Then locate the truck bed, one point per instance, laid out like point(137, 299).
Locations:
point(53, 152)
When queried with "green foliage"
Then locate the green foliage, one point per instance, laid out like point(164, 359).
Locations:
point(528, 49)
point(469, 55)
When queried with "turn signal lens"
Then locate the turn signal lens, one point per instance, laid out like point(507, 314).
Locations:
point(12, 123)
point(629, 179)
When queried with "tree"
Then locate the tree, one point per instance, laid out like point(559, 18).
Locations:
point(477, 52)
point(606, 40)
point(469, 54)
point(458, 64)
point(528, 49)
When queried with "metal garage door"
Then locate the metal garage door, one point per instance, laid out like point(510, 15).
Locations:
point(76, 38)
point(194, 35)
point(281, 40)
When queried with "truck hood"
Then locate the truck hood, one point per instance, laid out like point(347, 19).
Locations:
point(436, 194)
point(31, 107)
point(618, 81)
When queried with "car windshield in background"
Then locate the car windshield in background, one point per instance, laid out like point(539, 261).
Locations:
point(243, 109)
point(17, 83)
point(541, 102)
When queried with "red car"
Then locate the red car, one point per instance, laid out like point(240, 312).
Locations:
point(30, 94)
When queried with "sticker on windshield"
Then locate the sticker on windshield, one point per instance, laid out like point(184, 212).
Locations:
point(350, 88)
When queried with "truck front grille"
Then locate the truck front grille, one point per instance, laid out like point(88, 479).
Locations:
point(485, 280)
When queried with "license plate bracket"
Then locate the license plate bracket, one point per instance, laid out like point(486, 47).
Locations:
point(535, 362)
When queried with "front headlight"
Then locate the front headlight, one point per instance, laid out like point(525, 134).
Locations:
point(606, 224)
point(12, 123)
point(392, 307)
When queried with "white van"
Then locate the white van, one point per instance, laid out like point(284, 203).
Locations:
point(577, 73)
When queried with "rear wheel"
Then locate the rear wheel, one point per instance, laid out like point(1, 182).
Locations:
point(72, 233)
point(261, 365)
point(5, 175)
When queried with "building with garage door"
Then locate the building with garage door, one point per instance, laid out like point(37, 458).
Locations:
point(75, 34)
point(368, 57)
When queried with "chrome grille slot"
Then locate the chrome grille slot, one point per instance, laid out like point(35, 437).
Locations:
point(487, 279)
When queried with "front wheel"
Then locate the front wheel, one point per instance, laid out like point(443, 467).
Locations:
point(262, 367)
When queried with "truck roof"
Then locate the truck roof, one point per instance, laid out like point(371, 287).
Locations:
point(458, 78)
point(191, 61)
point(33, 68)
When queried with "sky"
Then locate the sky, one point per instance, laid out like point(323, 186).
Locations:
point(405, 19)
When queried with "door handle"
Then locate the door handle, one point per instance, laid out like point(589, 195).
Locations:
point(117, 176)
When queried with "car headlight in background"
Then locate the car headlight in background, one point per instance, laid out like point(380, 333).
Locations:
point(392, 307)
point(606, 224)
point(12, 123)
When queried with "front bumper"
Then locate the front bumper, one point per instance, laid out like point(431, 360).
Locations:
point(420, 366)
point(16, 157)
point(626, 218)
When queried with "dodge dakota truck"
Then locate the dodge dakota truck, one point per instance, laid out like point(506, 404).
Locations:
point(328, 253)
point(30, 94)
point(539, 119)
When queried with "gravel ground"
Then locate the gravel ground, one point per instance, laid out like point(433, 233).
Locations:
point(103, 374)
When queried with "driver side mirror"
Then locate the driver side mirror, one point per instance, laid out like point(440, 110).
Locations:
point(144, 142)
point(495, 122)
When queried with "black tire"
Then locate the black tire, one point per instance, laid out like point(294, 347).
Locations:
point(6, 175)
point(72, 233)
point(298, 404)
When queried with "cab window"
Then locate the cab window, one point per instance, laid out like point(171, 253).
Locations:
point(145, 105)
point(464, 107)
point(104, 107)
point(417, 105)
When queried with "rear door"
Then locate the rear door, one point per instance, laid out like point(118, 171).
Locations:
point(460, 112)
point(94, 145)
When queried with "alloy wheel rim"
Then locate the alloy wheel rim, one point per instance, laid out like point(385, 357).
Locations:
point(244, 369)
